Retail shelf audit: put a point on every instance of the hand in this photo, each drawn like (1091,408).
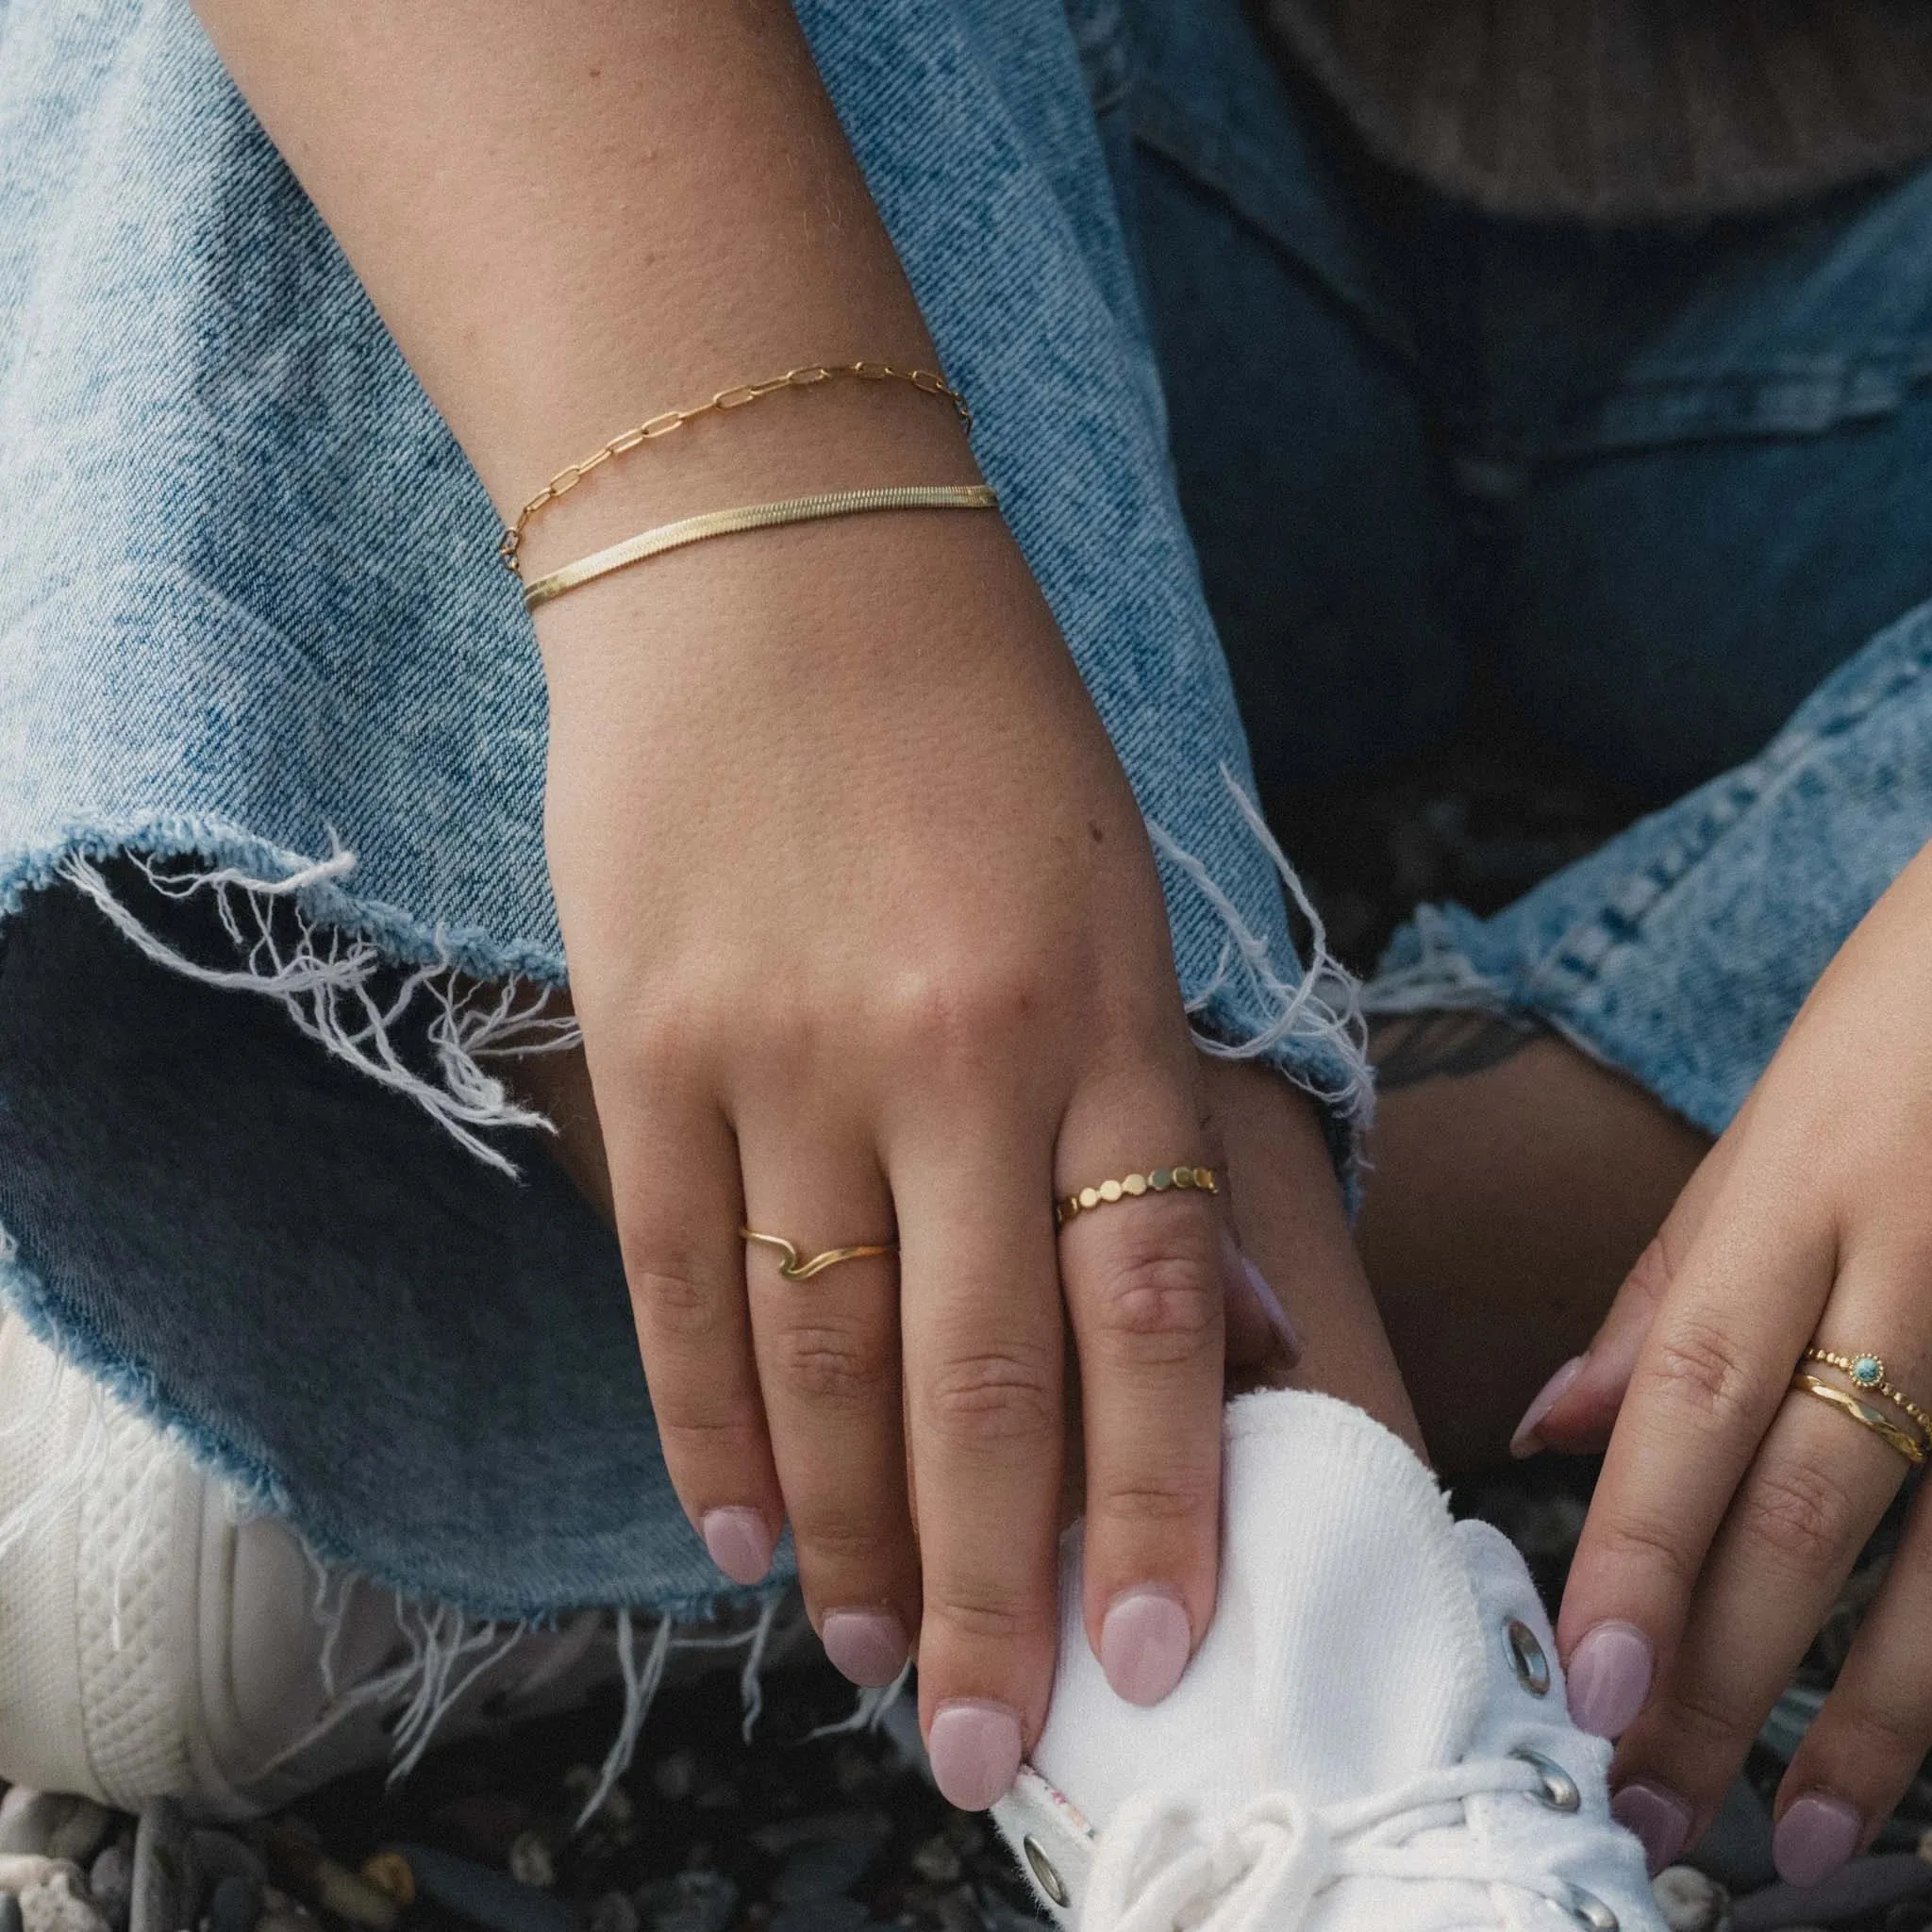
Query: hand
(1730,1508)
(866,942)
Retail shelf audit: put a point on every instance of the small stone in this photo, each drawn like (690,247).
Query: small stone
(390,1872)
(691,1901)
(937,1862)
(9,1913)
(1736,1850)
(222,1855)
(60,1903)
(782,1834)
(676,1777)
(235,1904)
(1688,1901)
(79,1835)
(110,1878)
(1864,1887)
(821,1915)
(531,1862)
(286,1919)
(28,1819)
(19,1870)
(165,1872)
(614,1912)
(297,1863)
(487,1898)
(823,1869)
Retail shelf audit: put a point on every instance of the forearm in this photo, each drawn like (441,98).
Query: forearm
(575,216)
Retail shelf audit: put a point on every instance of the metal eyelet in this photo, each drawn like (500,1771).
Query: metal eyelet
(1559,1792)
(1526,1657)
(1589,1913)
(1050,1880)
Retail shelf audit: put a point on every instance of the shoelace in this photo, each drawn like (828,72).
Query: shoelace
(1159,1867)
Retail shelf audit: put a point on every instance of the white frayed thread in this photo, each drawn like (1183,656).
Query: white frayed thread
(869,1709)
(750,1683)
(1323,1007)
(327,980)
(641,1682)
(1445,977)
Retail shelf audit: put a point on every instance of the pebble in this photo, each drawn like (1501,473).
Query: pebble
(491,1899)
(821,1915)
(691,1901)
(60,1903)
(532,1862)
(1737,1848)
(1688,1901)
(297,1862)
(938,1861)
(675,1777)
(235,1904)
(79,1835)
(822,1868)
(19,1870)
(389,1872)
(614,1912)
(110,1878)
(165,1872)
(780,1837)
(9,1913)
(28,1819)
(1863,1887)
(219,1854)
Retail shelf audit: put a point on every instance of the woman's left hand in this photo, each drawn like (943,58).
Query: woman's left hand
(1732,1505)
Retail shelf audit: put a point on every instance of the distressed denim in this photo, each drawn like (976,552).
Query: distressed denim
(256,653)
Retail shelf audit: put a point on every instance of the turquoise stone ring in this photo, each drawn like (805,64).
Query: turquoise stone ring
(1867,1374)
(1867,1370)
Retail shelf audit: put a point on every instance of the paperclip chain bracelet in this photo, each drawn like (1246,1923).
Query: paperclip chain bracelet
(928,381)
(757,516)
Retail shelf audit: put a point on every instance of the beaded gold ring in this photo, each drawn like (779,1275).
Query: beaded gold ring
(1160,1180)
(1867,1374)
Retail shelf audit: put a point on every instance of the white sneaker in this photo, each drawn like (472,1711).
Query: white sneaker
(152,1645)
(1372,1739)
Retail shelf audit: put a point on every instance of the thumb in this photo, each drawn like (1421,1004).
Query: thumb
(1576,1408)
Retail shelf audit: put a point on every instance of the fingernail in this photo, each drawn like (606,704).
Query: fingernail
(1526,1441)
(974,1749)
(868,1646)
(740,1543)
(1814,1837)
(1144,1642)
(1660,1820)
(1608,1678)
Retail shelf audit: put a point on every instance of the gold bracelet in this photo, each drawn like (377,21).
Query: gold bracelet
(1867,1373)
(929,380)
(757,516)
(1130,1187)
(1907,1445)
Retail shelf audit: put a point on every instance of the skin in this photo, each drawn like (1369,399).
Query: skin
(1730,1509)
(863,929)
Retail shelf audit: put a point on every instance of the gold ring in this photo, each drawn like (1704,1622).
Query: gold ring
(1130,1185)
(1867,1375)
(1907,1444)
(795,1269)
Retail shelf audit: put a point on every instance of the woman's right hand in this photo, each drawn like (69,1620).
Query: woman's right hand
(867,943)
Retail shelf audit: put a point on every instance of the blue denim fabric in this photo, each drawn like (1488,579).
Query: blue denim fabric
(250,613)
(1661,491)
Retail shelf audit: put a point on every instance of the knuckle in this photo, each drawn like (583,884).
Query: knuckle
(681,1301)
(832,1365)
(987,1614)
(1705,1727)
(993,1397)
(1158,1505)
(1801,1513)
(1162,1302)
(1632,1542)
(848,1544)
(1875,1737)
(952,1013)
(1701,1368)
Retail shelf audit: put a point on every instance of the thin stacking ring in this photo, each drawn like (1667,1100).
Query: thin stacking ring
(1907,1444)
(1867,1375)
(795,1268)
(1130,1187)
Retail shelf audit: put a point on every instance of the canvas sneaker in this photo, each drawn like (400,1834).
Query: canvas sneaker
(1372,1738)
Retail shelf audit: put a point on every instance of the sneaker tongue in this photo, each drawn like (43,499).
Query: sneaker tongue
(1346,1653)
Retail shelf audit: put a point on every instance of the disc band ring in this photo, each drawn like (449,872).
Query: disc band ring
(1908,1445)
(795,1268)
(1867,1373)
(1131,1186)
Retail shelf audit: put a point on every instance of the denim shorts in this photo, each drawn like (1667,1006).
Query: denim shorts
(272,885)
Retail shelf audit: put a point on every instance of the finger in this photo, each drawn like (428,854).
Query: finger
(1576,1408)
(674,1176)
(1711,1374)
(1803,1510)
(1143,1279)
(981,1326)
(1865,1746)
(827,1353)
(1263,1344)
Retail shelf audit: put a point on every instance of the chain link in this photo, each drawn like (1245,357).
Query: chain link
(928,381)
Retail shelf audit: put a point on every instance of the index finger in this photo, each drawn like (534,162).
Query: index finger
(1709,1380)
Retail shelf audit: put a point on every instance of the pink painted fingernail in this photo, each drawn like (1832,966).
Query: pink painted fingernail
(1814,1837)
(1144,1643)
(975,1750)
(1659,1817)
(1526,1441)
(1608,1678)
(868,1646)
(740,1543)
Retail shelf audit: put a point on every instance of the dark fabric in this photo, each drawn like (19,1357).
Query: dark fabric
(1624,110)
